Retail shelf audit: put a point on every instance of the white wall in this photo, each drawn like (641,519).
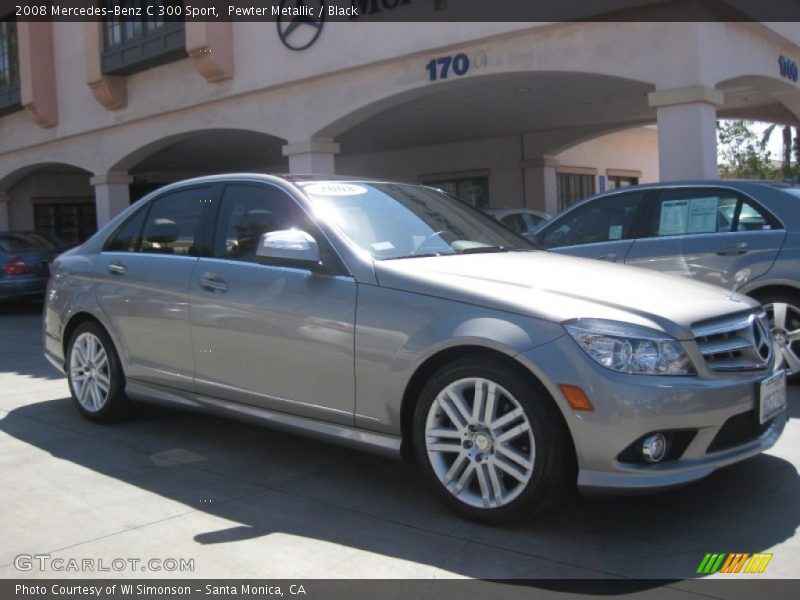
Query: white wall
(631,149)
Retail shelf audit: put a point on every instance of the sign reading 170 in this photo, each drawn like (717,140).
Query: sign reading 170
(440,68)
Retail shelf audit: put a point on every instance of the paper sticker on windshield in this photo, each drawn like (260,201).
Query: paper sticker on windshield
(381,246)
(334,188)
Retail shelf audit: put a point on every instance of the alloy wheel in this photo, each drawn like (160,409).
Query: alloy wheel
(89,372)
(480,443)
(785,322)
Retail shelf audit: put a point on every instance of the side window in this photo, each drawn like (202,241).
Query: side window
(752,218)
(529,222)
(602,220)
(249,211)
(173,223)
(128,236)
(514,222)
(693,211)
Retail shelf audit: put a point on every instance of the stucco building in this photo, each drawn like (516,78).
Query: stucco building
(94,115)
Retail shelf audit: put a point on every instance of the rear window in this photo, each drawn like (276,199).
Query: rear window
(22,242)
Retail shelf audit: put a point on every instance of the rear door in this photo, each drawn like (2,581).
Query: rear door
(603,228)
(712,234)
(142,285)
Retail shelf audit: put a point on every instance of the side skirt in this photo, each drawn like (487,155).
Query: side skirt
(377,443)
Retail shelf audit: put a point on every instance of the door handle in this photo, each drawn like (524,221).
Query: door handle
(117,268)
(608,258)
(213,283)
(733,249)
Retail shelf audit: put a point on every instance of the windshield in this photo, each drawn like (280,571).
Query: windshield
(390,220)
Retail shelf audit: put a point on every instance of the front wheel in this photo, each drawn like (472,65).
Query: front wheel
(783,312)
(494,448)
(95,375)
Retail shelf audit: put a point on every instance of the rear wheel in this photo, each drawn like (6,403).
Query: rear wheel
(491,445)
(95,375)
(783,311)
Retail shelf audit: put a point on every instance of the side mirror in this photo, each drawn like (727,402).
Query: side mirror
(289,245)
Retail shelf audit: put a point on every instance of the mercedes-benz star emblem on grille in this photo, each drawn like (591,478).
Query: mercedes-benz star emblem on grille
(761,338)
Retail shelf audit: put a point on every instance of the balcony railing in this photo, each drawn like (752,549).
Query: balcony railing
(9,68)
(138,43)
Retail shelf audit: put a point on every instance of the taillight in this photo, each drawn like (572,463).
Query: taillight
(17,266)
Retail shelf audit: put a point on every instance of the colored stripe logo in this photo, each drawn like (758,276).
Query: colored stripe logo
(734,562)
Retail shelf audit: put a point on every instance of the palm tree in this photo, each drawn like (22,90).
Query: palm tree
(786,131)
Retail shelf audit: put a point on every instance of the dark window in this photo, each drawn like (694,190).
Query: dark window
(74,222)
(173,223)
(247,212)
(616,182)
(601,220)
(692,211)
(9,68)
(11,243)
(753,218)
(572,187)
(129,235)
(515,223)
(473,190)
(139,42)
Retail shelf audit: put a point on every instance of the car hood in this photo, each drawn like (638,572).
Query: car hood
(556,288)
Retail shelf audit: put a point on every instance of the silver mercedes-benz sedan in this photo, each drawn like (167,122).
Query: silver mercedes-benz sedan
(396,319)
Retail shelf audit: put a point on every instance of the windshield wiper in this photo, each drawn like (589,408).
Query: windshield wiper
(428,255)
(484,249)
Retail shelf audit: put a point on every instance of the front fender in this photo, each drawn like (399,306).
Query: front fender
(397,332)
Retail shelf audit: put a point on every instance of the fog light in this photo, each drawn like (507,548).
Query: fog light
(654,447)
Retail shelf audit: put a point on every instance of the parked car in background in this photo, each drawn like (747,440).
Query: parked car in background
(523,221)
(398,319)
(742,235)
(25,257)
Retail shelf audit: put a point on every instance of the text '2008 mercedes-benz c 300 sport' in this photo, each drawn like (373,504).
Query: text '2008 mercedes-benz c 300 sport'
(397,319)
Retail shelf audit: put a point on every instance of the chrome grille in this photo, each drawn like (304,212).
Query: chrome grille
(739,343)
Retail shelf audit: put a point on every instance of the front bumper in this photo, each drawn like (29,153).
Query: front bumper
(628,407)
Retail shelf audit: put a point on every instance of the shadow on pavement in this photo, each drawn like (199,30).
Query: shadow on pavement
(310,489)
(21,340)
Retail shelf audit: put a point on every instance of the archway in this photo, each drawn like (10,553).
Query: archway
(55,198)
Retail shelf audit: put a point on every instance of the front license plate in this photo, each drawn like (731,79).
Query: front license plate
(772,397)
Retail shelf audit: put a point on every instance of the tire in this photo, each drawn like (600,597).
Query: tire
(95,376)
(787,305)
(466,447)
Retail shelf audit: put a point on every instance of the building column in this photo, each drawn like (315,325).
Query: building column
(687,132)
(112,195)
(37,72)
(312,157)
(5,222)
(540,183)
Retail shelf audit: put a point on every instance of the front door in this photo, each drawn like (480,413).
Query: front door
(601,228)
(271,335)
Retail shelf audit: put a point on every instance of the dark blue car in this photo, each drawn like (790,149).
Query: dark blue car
(25,257)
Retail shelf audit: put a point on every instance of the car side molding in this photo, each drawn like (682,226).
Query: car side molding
(381,444)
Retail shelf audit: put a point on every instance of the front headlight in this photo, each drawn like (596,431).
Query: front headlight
(630,348)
